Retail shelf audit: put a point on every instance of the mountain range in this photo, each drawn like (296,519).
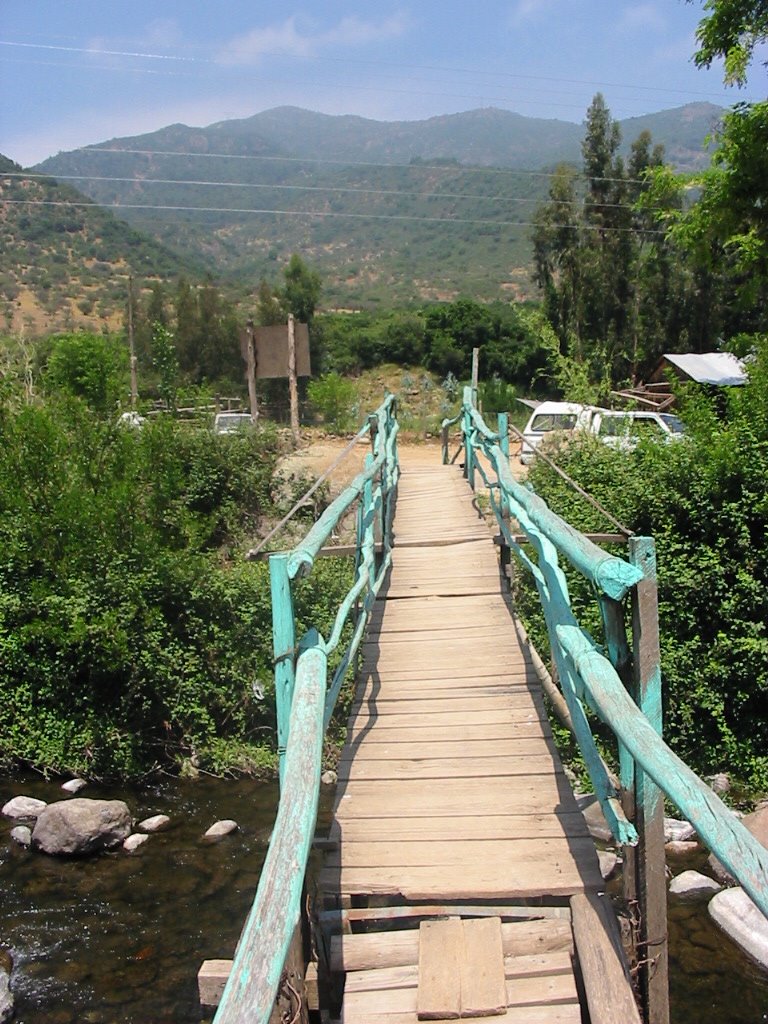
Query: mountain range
(388,212)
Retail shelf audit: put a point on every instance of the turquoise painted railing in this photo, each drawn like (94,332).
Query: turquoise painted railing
(305,700)
(595,677)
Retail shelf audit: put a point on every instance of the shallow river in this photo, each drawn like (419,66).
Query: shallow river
(118,939)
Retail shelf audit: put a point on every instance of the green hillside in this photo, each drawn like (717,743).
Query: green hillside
(387,212)
(66,261)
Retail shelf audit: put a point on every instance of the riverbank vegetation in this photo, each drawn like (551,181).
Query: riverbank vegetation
(132,634)
(703,500)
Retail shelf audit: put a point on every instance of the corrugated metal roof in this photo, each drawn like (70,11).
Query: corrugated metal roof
(721,368)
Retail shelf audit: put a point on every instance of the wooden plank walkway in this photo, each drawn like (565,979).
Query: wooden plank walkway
(450,788)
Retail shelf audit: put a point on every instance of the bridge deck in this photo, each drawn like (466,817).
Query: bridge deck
(450,788)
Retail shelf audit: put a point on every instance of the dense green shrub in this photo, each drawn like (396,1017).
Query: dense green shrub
(704,501)
(335,399)
(128,639)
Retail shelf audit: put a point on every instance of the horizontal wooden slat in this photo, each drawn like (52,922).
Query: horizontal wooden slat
(373,950)
(441,768)
(521,993)
(532,966)
(447,748)
(524,826)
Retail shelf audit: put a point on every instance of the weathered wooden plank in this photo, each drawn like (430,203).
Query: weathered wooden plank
(426,673)
(469,653)
(434,870)
(523,993)
(434,689)
(436,720)
(606,981)
(561,1014)
(373,950)
(479,727)
(521,826)
(468,632)
(440,768)
(518,703)
(497,855)
(560,878)
(441,951)
(533,966)
(367,749)
(483,986)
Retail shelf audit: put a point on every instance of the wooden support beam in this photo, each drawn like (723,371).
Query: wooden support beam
(607,985)
(649,800)
(213,975)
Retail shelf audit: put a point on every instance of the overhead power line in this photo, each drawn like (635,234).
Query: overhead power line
(462,168)
(314,214)
(303,188)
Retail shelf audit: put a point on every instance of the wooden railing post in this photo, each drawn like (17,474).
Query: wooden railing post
(284,647)
(649,857)
(467,428)
(502,425)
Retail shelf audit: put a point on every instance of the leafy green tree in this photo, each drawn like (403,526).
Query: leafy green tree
(166,362)
(725,232)
(185,308)
(91,366)
(732,30)
(269,308)
(302,289)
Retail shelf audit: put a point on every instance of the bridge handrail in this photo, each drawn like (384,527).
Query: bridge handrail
(305,702)
(586,674)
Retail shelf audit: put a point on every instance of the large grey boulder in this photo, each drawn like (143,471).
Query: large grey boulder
(80,826)
(678,831)
(692,885)
(26,807)
(757,824)
(735,914)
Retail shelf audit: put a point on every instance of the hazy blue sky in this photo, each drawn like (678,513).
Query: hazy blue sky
(74,72)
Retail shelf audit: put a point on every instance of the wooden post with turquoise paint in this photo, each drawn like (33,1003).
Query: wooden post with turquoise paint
(502,425)
(284,647)
(467,427)
(650,877)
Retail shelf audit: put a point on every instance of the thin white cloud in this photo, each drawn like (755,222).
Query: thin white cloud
(527,10)
(299,40)
(642,17)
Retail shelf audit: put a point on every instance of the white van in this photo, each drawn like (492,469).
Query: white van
(623,430)
(232,422)
(546,419)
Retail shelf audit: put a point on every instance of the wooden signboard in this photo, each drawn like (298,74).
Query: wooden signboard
(272,351)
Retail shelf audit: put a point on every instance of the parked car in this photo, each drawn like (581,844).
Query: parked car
(623,430)
(131,419)
(232,422)
(545,420)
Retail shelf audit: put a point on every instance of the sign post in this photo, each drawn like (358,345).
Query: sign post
(293,390)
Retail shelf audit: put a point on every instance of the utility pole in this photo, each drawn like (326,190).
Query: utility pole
(293,390)
(131,346)
(250,358)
